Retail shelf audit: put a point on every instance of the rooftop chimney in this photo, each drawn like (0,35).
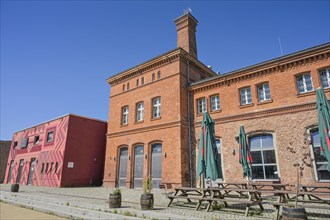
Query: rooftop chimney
(186,28)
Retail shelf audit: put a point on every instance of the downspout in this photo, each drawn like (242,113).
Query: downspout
(189,124)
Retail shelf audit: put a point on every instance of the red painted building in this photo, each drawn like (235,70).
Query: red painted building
(66,151)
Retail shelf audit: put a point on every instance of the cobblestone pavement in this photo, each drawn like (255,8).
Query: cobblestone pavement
(96,198)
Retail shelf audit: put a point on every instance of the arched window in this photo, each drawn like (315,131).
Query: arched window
(320,162)
(138,165)
(158,75)
(153,77)
(263,156)
(156,164)
(122,169)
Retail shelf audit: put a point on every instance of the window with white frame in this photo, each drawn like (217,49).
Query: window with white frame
(215,103)
(124,117)
(218,143)
(264,165)
(201,105)
(304,83)
(325,78)
(263,92)
(246,97)
(320,162)
(139,111)
(156,107)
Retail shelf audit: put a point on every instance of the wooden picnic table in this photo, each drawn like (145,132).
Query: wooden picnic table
(187,193)
(315,189)
(275,186)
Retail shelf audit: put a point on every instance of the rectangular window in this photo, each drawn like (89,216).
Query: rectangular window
(201,106)
(139,111)
(264,165)
(50,136)
(245,95)
(142,81)
(137,82)
(156,107)
(215,103)
(51,167)
(36,140)
(127,86)
(263,92)
(124,117)
(325,78)
(15,144)
(304,83)
(56,167)
(153,77)
(47,164)
(42,167)
(24,142)
(320,161)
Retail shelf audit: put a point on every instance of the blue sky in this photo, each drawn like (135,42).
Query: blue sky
(57,55)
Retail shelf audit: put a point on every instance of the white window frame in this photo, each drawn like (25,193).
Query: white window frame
(139,111)
(215,103)
(325,77)
(201,105)
(263,164)
(312,146)
(50,138)
(304,81)
(262,94)
(246,93)
(125,114)
(156,107)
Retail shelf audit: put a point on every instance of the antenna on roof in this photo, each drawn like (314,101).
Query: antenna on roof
(279,42)
(187,11)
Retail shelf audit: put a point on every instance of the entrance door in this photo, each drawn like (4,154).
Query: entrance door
(138,166)
(122,173)
(33,161)
(156,164)
(19,173)
(10,171)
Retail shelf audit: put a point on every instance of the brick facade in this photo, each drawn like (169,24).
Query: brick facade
(287,116)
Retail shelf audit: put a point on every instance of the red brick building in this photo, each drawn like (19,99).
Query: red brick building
(156,108)
(66,151)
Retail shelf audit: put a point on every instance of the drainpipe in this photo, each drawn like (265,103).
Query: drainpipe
(189,124)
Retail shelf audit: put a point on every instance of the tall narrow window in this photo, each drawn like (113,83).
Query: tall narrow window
(325,78)
(36,140)
(153,77)
(201,105)
(320,162)
(123,87)
(246,96)
(137,82)
(139,111)
(127,86)
(124,119)
(304,83)
(215,103)
(142,81)
(263,157)
(42,167)
(263,92)
(56,167)
(218,143)
(158,75)
(156,107)
(15,144)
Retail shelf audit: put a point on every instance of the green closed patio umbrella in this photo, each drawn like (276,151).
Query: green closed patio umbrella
(208,157)
(245,158)
(323,115)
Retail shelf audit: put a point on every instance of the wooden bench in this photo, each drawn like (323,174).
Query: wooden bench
(225,200)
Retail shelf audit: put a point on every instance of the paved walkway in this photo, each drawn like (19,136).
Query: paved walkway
(11,212)
(92,203)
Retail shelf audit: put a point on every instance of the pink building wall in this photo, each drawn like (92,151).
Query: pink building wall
(50,166)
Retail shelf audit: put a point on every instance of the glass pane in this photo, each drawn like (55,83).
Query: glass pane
(318,156)
(269,156)
(255,142)
(257,172)
(156,164)
(138,166)
(315,138)
(267,141)
(322,172)
(218,143)
(256,157)
(271,172)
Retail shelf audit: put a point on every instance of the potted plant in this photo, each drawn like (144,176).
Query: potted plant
(301,158)
(115,198)
(147,198)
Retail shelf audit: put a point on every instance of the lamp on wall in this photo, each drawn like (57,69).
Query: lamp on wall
(146,156)
(233,151)
(165,155)
(129,157)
